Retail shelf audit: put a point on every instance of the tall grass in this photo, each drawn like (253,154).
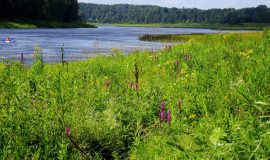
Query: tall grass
(214,92)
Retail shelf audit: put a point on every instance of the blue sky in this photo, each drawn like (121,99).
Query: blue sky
(203,4)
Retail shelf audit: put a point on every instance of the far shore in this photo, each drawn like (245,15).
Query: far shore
(30,24)
(191,25)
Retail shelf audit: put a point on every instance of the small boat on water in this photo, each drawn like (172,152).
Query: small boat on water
(8,40)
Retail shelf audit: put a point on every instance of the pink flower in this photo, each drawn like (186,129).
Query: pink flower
(177,63)
(130,84)
(162,115)
(162,105)
(67,132)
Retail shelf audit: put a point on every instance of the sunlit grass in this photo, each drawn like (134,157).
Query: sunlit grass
(89,109)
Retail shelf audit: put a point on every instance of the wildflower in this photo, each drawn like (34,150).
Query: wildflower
(177,63)
(67,132)
(169,116)
(162,106)
(155,126)
(192,116)
(162,115)
(130,84)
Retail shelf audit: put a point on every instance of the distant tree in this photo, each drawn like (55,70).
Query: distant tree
(153,14)
(60,10)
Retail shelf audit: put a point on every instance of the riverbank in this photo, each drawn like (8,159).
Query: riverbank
(194,25)
(43,24)
(183,38)
(203,100)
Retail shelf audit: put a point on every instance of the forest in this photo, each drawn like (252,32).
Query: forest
(57,10)
(124,13)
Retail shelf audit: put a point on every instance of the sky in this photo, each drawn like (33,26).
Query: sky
(202,4)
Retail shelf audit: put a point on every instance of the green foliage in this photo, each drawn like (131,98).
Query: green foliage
(134,14)
(57,10)
(222,81)
(42,24)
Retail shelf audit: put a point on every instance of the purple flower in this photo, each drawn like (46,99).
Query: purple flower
(155,126)
(67,132)
(177,63)
(169,116)
(162,115)
(162,105)
(130,84)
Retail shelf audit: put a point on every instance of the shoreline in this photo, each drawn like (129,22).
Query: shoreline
(33,24)
(254,27)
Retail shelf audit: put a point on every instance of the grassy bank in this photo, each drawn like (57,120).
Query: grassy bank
(195,25)
(43,24)
(206,99)
(183,38)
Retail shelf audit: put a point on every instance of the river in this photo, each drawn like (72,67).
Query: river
(81,43)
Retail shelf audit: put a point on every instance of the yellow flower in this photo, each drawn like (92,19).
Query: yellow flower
(192,116)
(246,53)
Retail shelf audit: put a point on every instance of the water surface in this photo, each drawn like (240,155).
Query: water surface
(82,42)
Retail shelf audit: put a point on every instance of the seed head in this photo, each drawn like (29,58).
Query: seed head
(137,86)
(22,59)
(179,103)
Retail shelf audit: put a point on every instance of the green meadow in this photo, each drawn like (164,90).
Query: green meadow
(207,98)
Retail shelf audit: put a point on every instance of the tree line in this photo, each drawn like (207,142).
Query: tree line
(58,10)
(124,13)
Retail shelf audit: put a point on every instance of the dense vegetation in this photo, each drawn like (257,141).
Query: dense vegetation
(57,10)
(253,26)
(43,24)
(206,99)
(124,13)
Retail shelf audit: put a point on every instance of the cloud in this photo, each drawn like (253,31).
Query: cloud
(203,4)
